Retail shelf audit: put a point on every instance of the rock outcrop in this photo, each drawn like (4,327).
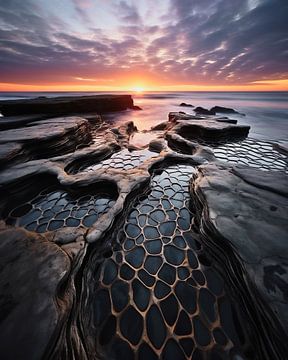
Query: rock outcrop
(43,139)
(202,111)
(223,110)
(186,105)
(242,214)
(210,129)
(67,105)
(111,251)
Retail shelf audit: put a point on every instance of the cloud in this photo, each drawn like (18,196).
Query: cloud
(82,8)
(199,41)
(128,13)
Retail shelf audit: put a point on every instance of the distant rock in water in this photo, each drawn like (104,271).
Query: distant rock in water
(223,110)
(135,107)
(187,105)
(203,111)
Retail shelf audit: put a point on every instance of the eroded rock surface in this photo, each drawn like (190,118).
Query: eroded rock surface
(245,210)
(213,129)
(33,309)
(111,251)
(44,139)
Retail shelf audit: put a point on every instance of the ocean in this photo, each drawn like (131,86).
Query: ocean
(265,112)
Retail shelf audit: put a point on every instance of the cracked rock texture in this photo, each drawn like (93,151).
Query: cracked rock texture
(117,244)
(246,211)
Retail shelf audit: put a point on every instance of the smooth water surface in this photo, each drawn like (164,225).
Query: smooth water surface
(266,112)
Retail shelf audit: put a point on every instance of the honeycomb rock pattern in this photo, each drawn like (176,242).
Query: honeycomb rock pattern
(254,153)
(158,296)
(123,160)
(53,208)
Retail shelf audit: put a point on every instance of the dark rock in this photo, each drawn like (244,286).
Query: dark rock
(135,107)
(243,213)
(223,110)
(161,126)
(174,116)
(203,111)
(206,129)
(67,105)
(13,122)
(157,145)
(44,139)
(187,105)
(32,270)
(281,147)
(228,121)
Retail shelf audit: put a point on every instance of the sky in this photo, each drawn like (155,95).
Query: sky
(107,45)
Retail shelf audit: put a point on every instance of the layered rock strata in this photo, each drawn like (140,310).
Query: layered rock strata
(167,251)
(67,105)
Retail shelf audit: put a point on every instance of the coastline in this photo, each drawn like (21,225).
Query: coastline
(182,230)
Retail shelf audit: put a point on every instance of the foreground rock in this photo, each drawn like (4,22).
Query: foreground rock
(32,270)
(243,221)
(43,139)
(67,105)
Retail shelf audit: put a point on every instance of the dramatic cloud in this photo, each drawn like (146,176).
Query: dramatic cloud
(169,42)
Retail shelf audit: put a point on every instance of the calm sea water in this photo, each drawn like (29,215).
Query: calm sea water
(266,112)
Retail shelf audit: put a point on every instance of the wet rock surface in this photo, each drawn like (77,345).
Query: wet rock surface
(249,217)
(166,244)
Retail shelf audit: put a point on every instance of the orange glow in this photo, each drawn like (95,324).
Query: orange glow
(148,85)
(138,89)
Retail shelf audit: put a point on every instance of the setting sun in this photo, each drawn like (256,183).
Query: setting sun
(138,89)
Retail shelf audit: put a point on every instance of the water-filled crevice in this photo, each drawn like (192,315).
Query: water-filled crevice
(45,205)
(250,152)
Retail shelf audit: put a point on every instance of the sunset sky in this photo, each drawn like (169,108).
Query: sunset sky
(111,45)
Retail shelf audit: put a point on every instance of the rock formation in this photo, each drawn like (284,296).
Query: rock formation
(66,105)
(203,111)
(223,110)
(186,105)
(175,250)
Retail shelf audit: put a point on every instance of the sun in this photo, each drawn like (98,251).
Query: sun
(138,89)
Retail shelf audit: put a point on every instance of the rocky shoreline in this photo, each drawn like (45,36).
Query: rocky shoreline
(173,250)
